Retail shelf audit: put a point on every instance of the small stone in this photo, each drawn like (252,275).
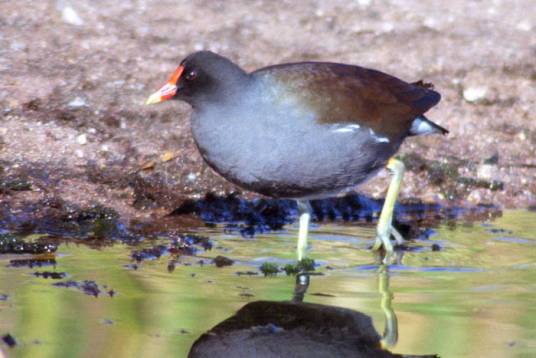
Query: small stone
(364,3)
(17,46)
(474,94)
(524,26)
(77,102)
(82,139)
(319,12)
(221,261)
(487,171)
(430,23)
(70,16)
(387,27)
(191,177)
(474,197)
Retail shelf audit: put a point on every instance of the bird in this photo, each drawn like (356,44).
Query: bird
(302,130)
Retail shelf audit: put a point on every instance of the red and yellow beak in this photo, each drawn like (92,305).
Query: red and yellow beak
(168,90)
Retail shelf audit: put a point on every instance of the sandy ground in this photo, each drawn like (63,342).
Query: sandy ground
(74,76)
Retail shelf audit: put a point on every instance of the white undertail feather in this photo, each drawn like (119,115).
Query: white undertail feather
(422,126)
(347,129)
(351,128)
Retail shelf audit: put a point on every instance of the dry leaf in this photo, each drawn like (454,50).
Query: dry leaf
(149,165)
(167,156)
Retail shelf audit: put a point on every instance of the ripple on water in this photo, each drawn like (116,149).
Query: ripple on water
(515,240)
(405,268)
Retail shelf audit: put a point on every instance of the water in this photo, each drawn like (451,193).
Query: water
(476,296)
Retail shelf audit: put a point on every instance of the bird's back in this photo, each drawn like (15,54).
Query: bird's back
(351,94)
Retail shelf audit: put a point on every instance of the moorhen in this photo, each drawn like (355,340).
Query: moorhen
(304,130)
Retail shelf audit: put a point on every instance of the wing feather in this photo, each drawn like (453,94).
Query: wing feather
(352,94)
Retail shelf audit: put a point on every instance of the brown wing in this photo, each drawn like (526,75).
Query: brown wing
(351,94)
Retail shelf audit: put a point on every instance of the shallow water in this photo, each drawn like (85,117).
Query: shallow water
(476,296)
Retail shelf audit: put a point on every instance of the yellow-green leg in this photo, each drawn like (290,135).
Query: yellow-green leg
(385,227)
(304,210)
(390,333)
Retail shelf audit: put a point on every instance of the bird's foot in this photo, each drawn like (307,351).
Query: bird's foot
(383,239)
(385,223)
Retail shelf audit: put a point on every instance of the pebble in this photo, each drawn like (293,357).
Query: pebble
(475,196)
(71,17)
(77,102)
(487,172)
(191,177)
(524,26)
(431,23)
(364,3)
(17,46)
(474,94)
(82,139)
(387,27)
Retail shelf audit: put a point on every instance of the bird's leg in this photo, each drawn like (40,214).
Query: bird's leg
(385,224)
(304,210)
(302,284)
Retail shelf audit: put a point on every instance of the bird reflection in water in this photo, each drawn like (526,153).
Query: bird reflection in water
(390,334)
(299,329)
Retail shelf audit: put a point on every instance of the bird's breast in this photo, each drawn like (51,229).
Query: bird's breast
(273,140)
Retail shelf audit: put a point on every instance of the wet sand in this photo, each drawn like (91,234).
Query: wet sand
(74,130)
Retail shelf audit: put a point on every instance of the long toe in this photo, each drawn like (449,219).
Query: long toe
(398,237)
(383,238)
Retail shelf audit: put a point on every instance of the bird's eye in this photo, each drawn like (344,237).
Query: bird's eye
(191,75)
